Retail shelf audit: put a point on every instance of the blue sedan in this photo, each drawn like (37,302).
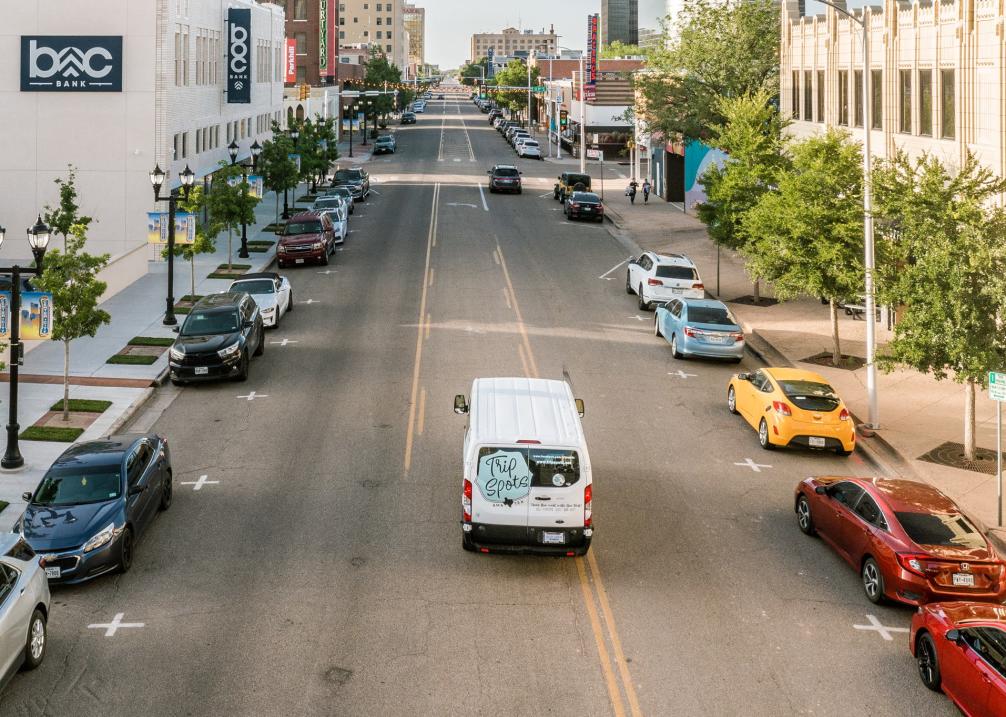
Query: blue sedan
(93,503)
(699,327)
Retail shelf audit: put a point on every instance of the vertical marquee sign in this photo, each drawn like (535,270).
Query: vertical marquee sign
(238,56)
(291,61)
(592,43)
(323,38)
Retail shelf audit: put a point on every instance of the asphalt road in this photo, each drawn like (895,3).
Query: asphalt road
(322,572)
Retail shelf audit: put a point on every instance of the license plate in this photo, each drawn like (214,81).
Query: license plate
(52,573)
(964,580)
(816,442)
(202,371)
(298,261)
(553,538)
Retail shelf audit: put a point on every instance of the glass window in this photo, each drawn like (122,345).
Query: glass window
(808,95)
(926,103)
(857,97)
(306,227)
(210,323)
(301,38)
(905,93)
(950,530)
(990,643)
(73,485)
(265,286)
(810,395)
(300,9)
(843,97)
(846,493)
(948,117)
(669,271)
(820,95)
(8,579)
(877,99)
(868,510)
(710,315)
(553,468)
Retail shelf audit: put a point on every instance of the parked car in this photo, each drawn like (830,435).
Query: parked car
(356,179)
(529,149)
(960,649)
(24,608)
(308,236)
(504,178)
(657,278)
(270,291)
(336,209)
(580,205)
(346,194)
(699,327)
(408,118)
(94,502)
(570,182)
(385,144)
(909,542)
(217,339)
(419,107)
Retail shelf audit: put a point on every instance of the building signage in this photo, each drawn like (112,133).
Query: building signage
(157,228)
(323,68)
(593,38)
(997,386)
(71,63)
(291,61)
(238,56)
(36,315)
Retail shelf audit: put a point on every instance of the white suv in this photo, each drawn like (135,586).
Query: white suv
(657,278)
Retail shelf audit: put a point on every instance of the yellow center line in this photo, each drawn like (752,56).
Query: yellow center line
(602,650)
(616,643)
(422,413)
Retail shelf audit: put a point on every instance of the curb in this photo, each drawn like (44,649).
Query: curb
(131,412)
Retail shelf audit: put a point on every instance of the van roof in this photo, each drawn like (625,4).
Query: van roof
(508,410)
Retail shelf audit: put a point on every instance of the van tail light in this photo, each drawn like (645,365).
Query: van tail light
(654,282)
(466,501)
(588,511)
(699,285)
(843,415)
(782,408)
(913,563)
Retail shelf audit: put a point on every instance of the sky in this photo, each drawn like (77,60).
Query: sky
(450,24)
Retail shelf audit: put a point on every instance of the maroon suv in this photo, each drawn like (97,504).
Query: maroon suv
(307,237)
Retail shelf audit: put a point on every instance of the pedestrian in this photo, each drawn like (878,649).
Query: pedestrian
(646,191)
(631,191)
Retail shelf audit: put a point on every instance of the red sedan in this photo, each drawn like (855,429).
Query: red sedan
(909,542)
(960,648)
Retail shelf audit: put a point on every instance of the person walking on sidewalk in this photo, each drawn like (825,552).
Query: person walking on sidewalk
(646,191)
(631,191)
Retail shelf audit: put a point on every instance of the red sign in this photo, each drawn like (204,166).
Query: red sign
(590,93)
(593,38)
(291,61)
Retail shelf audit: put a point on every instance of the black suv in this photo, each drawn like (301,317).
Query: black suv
(408,117)
(504,178)
(357,180)
(217,340)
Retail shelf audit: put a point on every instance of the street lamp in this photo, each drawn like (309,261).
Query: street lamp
(294,135)
(232,150)
(157,177)
(366,119)
(38,240)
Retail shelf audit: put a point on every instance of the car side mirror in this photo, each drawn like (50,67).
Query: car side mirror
(460,405)
(954,636)
(136,489)
(176,329)
(247,323)
(821,490)
(26,496)
(579,406)
(743,377)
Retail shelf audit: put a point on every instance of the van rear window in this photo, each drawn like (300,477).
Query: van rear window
(553,468)
(508,469)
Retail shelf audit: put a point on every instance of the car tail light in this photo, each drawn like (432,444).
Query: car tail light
(843,415)
(575,205)
(737,336)
(699,285)
(466,501)
(654,282)
(689,331)
(913,563)
(588,511)
(782,408)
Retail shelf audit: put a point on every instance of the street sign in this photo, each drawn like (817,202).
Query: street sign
(593,154)
(997,386)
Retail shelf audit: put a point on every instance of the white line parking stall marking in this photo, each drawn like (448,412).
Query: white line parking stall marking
(284,342)
(462,204)
(756,467)
(681,374)
(876,626)
(637,317)
(483,195)
(621,263)
(198,484)
(309,302)
(114,626)
(252,396)
(328,272)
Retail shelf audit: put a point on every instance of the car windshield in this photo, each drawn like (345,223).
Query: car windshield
(307,227)
(506,172)
(670,271)
(340,191)
(710,315)
(327,204)
(949,530)
(347,175)
(74,485)
(574,179)
(210,323)
(257,286)
(810,395)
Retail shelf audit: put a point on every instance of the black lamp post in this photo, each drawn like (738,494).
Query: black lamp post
(38,240)
(294,134)
(232,150)
(157,177)
(351,109)
(366,120)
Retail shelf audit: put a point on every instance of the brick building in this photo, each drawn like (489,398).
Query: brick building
(312,27)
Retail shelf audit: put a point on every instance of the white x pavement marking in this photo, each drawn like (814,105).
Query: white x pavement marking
(756,467)
(637,317)
(252,396)
(198,484)
(116,624)
(681,374)
(309,302)
(284,342)
(885,632)
(328,272)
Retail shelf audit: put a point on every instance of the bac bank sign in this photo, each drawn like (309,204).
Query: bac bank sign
(71,63)
(238,55)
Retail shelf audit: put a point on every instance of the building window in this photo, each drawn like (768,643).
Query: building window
(926,103)
(905,93)
(185,145)
(877,99)
(389,47)
(808,95)
(301,75)
(947,116)
(378,34)
(378,21)
(843,97)
(795,104)
(300,9)
(857,98)
(342,35)
(301,38)
(820,95)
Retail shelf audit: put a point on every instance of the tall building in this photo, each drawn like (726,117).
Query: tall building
(415,25)
(311,29)
(513,41)
(620,21)
(380,25)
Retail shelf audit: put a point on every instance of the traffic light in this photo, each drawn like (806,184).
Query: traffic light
(563,119)
(305,91)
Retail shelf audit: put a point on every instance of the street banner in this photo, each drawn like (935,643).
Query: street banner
(593,37)
(4,314)
(256,186)
(157,228)
(36,316)
(346,122)
(239,56)
(490,70)
(295,158)
(291,61)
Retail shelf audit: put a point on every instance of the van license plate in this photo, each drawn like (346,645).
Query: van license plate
(52,572)
(202,371)
(553,538)
(964,580)
(816,442)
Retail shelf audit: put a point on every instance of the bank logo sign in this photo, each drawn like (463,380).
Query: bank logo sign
(71,63)
(238,56)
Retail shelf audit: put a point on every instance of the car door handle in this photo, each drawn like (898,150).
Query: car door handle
(542,497)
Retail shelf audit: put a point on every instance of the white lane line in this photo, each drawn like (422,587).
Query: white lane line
(681,374)
(612,268)
(440,152)
(483,195)
(471,152)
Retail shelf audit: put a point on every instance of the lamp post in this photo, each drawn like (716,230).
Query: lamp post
(157,177)
(38,240)
(232,150)
(873,417)
(351,108)
(294,135)
(366,119)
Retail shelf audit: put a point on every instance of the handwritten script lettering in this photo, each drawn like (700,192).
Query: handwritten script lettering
(504,477)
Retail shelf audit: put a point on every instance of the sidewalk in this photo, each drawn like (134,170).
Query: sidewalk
(917,413)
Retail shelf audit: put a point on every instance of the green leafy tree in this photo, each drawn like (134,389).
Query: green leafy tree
(316,145)
(66,214)
(230,205)
(807,234)
(378,75)
(71,277)
(515,75)
(945,266)
(471,72)
(278,171)
(622,49)
(206,234)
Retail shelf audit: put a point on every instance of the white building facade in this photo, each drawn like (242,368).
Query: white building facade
(114,87)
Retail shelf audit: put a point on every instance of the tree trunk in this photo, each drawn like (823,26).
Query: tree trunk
(836,347)
(276,220)
(192,272)
(66,380)
(230,252)
(756,290)
(969,420)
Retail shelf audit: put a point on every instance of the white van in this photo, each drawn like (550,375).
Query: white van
(526,486)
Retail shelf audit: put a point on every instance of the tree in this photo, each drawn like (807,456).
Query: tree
(515,75)
(316,146)
(807,234)
(945,266)
(205,234)
(231,205)
(724,48)
(63,217)
(622,49)
(472,71)
(278,171)
(752,138)
(71,277)
(380,73)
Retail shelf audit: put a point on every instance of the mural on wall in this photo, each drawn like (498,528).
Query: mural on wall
(698,158)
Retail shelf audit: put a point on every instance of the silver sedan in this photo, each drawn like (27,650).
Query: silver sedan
(24,607)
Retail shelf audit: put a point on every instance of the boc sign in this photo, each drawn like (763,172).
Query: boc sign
(238,56)
(71,63)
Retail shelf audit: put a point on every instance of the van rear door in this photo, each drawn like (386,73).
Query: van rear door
(557,485)
(500,494)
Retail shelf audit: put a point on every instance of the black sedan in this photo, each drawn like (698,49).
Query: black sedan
(94,502)
(584,205)
(408,118)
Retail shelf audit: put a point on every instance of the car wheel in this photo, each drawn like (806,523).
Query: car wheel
(289,306)
(803,516)
(466,543)
(873,581)
(243,374)
(763,438)
(643,304)
(928,662)
(842,452)
(674,347)
(176,382)
(732,400)
(126,550)
(656,326)
(628,283)
(324,259)
(36,642)
(166,493)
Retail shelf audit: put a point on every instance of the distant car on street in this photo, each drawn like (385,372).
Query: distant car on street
(271,292)
(356,179)
(504,178)
(529,149)
(583,205)
(94,502)
(570,182)
(345,193)
(408,118)
(217,339)
(656,278)
(699,327)
(306,237)
(24,608)
(336,209)
(385,144)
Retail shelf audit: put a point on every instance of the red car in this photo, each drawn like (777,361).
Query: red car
(960,648)
(307,237)
(909,542)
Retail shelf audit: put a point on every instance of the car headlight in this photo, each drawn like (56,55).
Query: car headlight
(282,249)
(318,245)
(268,309)
(104,536)
(230,351)
(176,355)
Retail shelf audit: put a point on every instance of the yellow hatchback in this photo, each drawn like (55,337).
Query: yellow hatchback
(792,407)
